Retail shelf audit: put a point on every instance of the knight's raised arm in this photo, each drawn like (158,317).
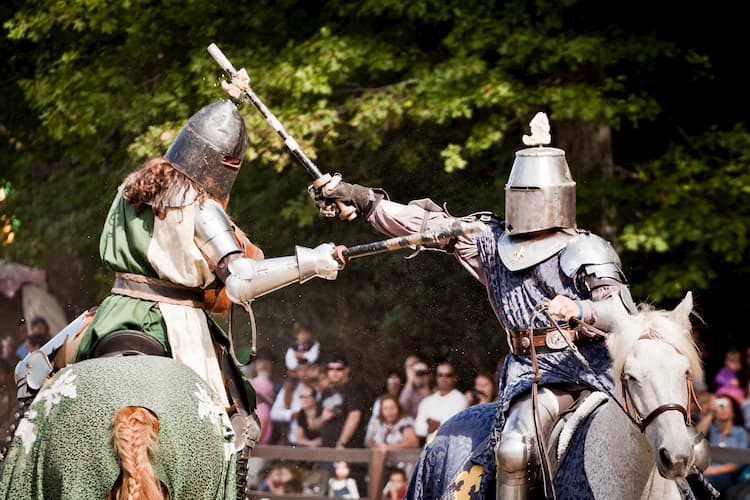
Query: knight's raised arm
(397,219)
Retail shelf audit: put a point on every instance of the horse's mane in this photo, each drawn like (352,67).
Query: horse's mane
(655,324)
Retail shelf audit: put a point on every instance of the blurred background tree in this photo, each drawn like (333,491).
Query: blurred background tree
(426,98)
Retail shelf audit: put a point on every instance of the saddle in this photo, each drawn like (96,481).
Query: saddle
(568,422)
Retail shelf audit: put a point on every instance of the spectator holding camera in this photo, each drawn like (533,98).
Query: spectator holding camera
(722,424)
(417,386)
(484,390)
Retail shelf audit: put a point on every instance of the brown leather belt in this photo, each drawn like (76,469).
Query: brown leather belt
(544,339)
(157,290)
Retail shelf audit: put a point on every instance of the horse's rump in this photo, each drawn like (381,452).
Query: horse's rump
(63,447)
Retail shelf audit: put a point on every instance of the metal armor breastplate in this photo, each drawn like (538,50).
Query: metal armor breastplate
(521,252)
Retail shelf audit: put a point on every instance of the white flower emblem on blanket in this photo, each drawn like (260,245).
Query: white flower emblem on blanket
(64,386)
(27,431)
(207,408)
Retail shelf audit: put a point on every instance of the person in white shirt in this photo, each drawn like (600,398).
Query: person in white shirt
(304,347)
(441,405)
(287,403)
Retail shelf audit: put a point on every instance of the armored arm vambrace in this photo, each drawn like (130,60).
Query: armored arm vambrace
(609,299)
(245,278)
(248,279)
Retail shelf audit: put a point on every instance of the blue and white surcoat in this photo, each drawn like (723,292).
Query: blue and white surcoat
(515,296)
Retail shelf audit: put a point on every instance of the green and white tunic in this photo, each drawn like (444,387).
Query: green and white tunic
(165,249)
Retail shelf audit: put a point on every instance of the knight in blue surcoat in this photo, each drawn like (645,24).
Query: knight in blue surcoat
(540,271)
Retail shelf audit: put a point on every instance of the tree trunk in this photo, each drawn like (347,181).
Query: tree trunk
(588,148)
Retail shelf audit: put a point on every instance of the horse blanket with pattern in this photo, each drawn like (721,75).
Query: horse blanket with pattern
(63,449)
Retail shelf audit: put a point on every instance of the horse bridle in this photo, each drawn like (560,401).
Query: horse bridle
(631,411)
(642,422)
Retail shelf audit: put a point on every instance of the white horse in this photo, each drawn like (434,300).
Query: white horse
(641,445)
(636,442)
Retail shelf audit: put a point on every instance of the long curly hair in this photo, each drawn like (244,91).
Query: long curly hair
(157,183)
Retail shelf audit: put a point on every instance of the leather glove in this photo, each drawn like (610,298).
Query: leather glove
(363,199)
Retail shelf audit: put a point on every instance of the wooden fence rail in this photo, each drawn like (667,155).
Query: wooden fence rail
(376,461)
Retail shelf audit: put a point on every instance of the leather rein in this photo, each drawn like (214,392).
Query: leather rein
(627,405)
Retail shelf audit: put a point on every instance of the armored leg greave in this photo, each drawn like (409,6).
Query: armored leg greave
(516,453)
(701,450)
(247,430)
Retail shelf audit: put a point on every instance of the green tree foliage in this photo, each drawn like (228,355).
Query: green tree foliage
(426,98)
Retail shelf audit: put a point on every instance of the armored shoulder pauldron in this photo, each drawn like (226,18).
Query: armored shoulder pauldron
(522,252)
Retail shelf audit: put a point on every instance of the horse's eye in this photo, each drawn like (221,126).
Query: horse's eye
(630,377)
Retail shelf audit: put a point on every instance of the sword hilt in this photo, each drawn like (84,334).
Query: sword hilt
(346,212)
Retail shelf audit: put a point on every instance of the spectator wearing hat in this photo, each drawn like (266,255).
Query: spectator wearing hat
(723,425)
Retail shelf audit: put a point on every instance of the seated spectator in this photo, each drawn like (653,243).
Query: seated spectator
(341,485)
(484,391)
(305,434)
(723,426)
(392,428)
(343,406)
(438,407)
(395,488)
(39,335)
(283,478)
(394,382)
(304,347)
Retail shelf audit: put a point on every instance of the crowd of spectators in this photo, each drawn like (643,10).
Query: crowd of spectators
(318,401)
(328,408)
(724,419)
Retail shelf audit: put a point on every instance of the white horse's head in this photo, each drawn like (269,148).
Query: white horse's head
(655,360)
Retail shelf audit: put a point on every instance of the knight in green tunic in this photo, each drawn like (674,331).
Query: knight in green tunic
(168,239)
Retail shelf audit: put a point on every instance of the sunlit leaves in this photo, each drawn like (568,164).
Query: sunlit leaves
(384,91)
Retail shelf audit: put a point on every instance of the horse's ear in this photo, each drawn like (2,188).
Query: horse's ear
(683,309)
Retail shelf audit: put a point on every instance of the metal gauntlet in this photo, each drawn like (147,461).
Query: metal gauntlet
(250,278)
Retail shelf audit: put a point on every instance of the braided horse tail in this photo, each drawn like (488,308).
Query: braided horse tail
(134,433)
